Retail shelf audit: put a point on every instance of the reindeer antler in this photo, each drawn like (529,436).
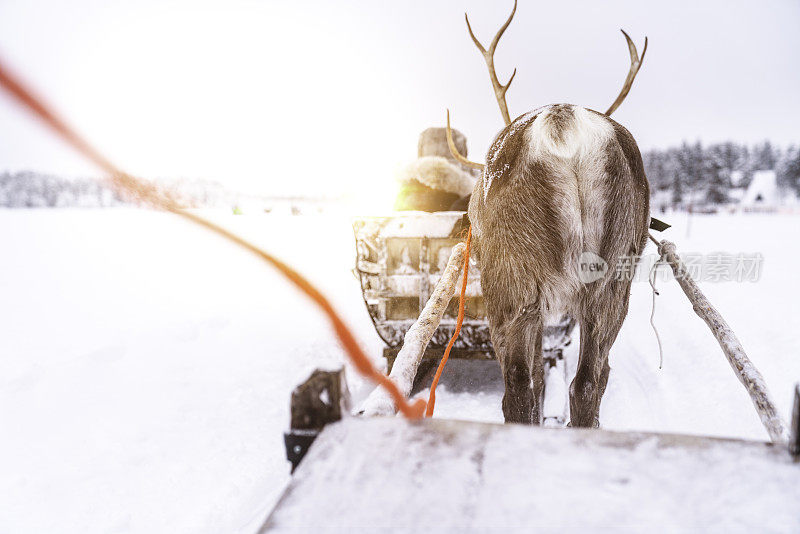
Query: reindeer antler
(500,89)
(636,64)
(488,56)
(454,151)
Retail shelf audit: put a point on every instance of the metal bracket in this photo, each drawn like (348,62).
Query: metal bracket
(322,399)
(297,444)
(658,226)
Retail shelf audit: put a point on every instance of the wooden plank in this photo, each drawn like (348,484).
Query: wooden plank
(742,366)
(455,476)
(416,340)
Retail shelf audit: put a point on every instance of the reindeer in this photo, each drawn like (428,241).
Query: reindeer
(561,183)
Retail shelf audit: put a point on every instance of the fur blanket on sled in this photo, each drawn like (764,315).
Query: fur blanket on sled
(434,183)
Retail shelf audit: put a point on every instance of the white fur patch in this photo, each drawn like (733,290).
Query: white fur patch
(587,131)
(439,173)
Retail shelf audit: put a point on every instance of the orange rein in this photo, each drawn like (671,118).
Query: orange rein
(459,321)
(123,182)
(142,191)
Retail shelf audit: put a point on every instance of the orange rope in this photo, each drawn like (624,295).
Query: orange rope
(459,321)
(126,183)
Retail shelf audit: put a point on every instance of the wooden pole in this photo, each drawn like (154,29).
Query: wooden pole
(417,338)
(745,371)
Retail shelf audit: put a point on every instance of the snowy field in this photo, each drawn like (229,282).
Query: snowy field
(146,367)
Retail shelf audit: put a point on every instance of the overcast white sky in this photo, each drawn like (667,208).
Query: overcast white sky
(322,97)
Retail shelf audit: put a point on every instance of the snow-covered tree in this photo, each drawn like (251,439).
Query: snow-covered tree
(788,169)
(764,157)
(677,191)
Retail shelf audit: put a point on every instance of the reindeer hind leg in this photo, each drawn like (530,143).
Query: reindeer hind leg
(603,311)
(519,349)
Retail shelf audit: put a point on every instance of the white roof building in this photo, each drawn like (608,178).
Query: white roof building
(762,192)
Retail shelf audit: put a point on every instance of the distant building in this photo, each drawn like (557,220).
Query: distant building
(762,191)
(765,195)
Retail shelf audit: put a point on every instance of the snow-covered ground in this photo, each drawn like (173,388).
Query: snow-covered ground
(145,366)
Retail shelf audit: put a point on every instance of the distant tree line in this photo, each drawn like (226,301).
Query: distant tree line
(709,170)
(688,173)
(28,189)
